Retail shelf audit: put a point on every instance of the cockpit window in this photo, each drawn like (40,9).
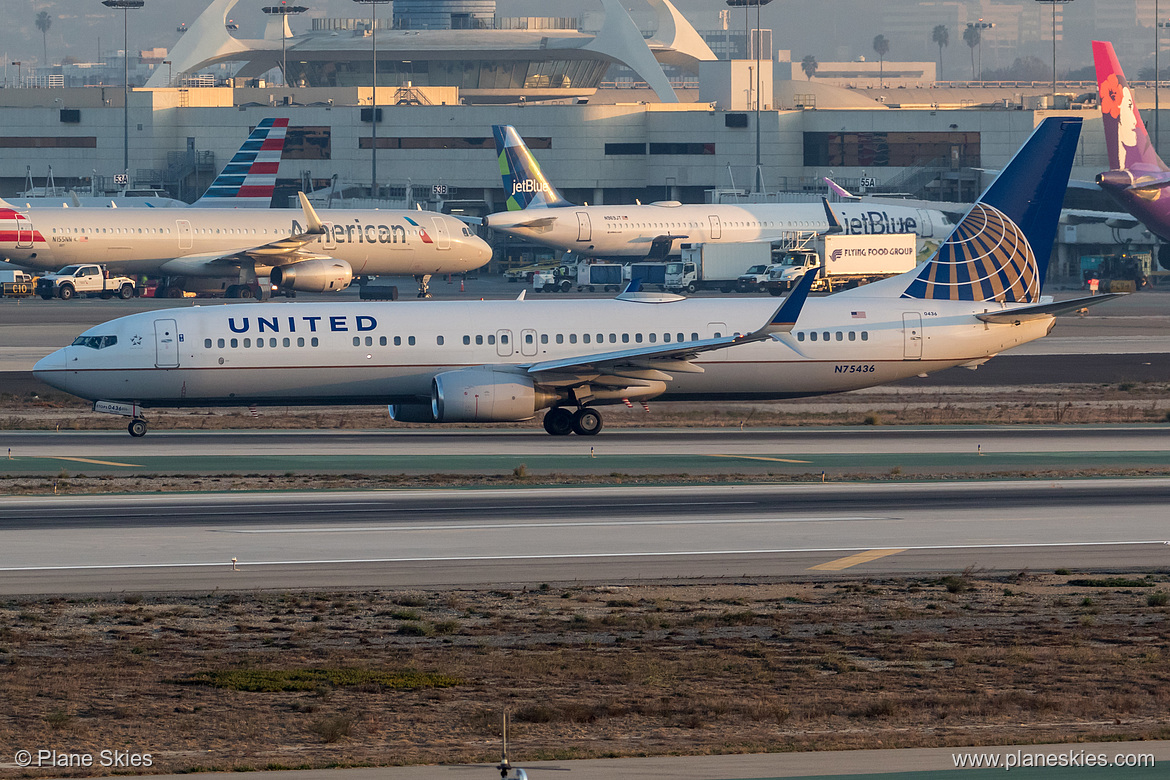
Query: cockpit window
(95,342)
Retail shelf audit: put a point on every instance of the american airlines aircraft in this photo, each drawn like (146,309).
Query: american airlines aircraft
(298,250)
(495,361)
(537,212)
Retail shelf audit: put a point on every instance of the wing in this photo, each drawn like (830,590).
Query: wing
(644,366)
(1036,311)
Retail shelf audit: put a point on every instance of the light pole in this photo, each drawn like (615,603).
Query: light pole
(1158,27)
(373,4)
(284,10)
(17,63)
(756,46)
(1054,3)
(169,77)
(981,26)
(125,5)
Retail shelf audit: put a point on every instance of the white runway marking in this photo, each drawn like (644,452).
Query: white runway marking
(543,524)
(566,556)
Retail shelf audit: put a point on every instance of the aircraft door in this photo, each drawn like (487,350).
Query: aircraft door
(925,227)
(716,228)
(183,228)
(166,344)
(912,336)
(528,342)
(584,229)
(504,343)
(23,232)
(442,236)
(328,241)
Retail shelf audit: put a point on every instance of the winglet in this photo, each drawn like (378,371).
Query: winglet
(784,320)
(633,286)
(313,224)
(835,225)
(838,190)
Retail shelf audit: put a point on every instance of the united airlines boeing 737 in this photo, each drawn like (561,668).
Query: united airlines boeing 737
(537,212)
(491,361)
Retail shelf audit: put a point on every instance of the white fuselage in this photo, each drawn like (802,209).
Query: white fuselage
(389,353)
(629,231)
(191,242)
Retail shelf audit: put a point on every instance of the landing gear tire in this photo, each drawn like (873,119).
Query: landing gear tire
(174,292)
(245,291)
(587,422)
(558,421)
(137,428)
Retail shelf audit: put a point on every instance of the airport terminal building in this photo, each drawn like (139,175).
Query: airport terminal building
(599,145)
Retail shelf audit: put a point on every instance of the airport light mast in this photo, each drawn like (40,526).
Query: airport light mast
(373,4)
(125,5)
(1054,3)
(755,45)
(284,10)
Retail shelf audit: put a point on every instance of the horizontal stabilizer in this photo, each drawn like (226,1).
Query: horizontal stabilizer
(1040,310)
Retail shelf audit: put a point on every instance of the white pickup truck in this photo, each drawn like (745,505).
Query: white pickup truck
(87,280)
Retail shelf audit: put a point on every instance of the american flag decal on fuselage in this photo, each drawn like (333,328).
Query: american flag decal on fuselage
(986,258)
(249,179)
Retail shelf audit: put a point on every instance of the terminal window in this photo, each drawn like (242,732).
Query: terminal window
(897,150)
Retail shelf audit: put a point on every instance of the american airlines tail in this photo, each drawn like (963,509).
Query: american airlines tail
(249,178)
(1000,250)
(524,181)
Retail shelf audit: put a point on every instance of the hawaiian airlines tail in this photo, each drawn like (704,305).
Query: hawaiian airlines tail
(249,179)
(1000,250)
(524,181)
(1125,134)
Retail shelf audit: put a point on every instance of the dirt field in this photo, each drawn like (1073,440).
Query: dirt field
(255,680)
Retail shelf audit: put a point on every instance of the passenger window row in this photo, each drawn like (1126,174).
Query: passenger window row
(588,338)
(832,335)
(272,343)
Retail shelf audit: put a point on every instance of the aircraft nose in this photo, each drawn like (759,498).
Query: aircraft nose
(483,251)
(51,370)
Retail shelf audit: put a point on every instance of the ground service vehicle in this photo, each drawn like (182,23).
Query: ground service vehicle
(525,272)
(85,280)
(584,276)
(845,261)
(714,266)
(17,284)
(753,279)
(650,274)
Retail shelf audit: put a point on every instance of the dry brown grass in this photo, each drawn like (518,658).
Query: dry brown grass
(586,671)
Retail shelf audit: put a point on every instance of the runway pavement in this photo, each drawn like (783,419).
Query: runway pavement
(837,451)
(435,539)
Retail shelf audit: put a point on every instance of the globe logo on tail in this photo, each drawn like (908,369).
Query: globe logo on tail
(986,258)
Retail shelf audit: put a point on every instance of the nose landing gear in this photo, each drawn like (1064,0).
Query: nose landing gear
(137,427)
(424,285)
(559,421)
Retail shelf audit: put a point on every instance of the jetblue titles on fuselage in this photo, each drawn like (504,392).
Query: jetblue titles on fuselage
(337,324)
(876,223)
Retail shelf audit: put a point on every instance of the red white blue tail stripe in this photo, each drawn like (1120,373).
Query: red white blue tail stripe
(249,179)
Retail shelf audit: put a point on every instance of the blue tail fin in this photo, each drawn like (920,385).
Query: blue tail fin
(249,178)
(1000,250)
(525,183)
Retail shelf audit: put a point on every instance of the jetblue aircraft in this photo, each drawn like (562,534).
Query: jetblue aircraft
(239,238)
(1137,178)
(502,361)
(537,212)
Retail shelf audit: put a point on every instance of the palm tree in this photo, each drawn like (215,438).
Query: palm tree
(44,22)
(809,65)
(971,37)
(942,37)
(882,46)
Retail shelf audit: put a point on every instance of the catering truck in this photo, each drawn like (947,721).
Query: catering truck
(714,266)
(844,260)
(584,276)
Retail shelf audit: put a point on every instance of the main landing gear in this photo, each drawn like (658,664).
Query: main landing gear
(424,285)
(560,421)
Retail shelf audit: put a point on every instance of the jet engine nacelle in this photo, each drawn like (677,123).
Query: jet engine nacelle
(412,413)
(486,394)
(313,276)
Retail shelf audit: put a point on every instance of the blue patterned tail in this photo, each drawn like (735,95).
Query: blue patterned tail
(524,181)
(248,181)
(1000,250)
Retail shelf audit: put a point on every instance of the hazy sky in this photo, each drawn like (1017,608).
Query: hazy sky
(827,29)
